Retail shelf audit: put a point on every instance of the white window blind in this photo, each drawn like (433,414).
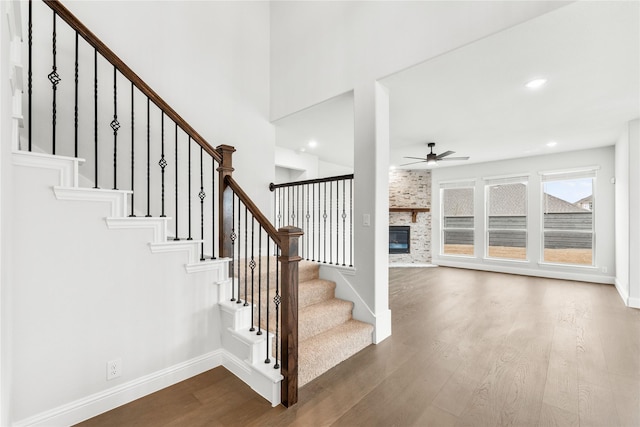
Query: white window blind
(569,174)
(511,179)
(457,184)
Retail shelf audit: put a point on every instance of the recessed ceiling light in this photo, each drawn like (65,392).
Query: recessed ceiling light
(313,143)
(302,149)
(392,167)
(551,144)
(536,83)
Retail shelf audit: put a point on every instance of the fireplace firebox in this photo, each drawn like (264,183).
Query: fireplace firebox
(399,239)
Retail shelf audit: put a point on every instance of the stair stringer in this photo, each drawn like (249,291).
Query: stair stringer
(68,188)
(245,351)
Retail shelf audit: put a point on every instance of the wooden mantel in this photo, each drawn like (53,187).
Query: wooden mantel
(414,211)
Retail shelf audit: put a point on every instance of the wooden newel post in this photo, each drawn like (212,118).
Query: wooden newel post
(289,260)
(225,201)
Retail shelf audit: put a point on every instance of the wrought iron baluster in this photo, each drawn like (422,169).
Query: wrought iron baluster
(330,223)
(148,161)
(239,249)
(75,103)
(189,188)
(30,71)
(201,195)
(259,279)
(176,238)
(307,237)
(252,265)
(115,125)
(54,78)
(324,234)
(337,223)
(267,360)
(351,223)
(233,243)
(246,254)
(213,208)
(163,164)
(276,301)
(95,114)
(132,153)
(344,218)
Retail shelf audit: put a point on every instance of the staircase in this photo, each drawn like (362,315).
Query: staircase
(328,334)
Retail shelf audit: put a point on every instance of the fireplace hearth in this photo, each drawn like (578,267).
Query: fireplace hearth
(399,239)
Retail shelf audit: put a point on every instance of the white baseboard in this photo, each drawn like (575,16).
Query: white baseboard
(634,302)
(622,292)
(98,403)
(406,264)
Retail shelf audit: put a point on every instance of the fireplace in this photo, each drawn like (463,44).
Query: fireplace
(399,239)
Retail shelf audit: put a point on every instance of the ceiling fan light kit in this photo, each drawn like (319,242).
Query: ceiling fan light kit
(433,158)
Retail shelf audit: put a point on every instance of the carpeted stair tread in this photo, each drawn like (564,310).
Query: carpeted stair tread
(314,291)
(318,318)
(322,352)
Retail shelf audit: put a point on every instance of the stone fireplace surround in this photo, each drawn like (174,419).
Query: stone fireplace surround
(411,189)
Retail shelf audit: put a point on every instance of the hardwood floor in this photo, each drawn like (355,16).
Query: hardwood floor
(468,348)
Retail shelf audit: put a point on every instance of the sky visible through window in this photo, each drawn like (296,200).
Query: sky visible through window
(570,190)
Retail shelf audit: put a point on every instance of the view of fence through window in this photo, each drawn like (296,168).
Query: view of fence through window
(507,218)
(568,218)
(458,218)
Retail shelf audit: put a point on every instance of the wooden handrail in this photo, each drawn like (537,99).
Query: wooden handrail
(110,56)
(255,211)
(273,186)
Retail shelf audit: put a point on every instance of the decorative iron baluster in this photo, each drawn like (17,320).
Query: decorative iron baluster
(351,223)
(267,360)
(246,254)
(260,280)
(115,125)
(277,209)
(148,161)
(330,223)
(95,114)
(75,97)
(337,223)
(313,223)
(54,78)
(30,71)
(213,208)
(163,164)
(307,237)
(239,249)
(252,266)
(344,217)
(324,216)
(276,301)
(189,189)
(201,195)
(292,206)
(232,237)
(176,238)
(132,155)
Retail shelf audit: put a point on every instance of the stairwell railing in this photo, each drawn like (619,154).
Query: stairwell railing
(323,209)
(167,166)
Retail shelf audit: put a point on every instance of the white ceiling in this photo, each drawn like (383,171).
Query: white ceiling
(473,100)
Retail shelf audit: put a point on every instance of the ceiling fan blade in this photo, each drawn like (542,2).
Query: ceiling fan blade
(417,158)
(455,158)
(446,153)
(413,163)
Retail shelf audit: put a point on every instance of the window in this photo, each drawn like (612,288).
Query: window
(568,209)
(506,217)
(456,201)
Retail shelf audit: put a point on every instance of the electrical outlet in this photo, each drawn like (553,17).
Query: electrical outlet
(114,369)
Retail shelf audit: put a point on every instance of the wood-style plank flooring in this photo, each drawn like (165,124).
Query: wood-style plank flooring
(468,348)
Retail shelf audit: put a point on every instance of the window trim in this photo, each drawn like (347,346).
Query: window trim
(567,175)
(505,180)
(450,185)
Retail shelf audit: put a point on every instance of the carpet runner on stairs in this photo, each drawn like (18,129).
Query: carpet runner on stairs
(327,332)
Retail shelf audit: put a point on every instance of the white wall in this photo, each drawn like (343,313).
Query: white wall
(532,166)
(634,213)
(209,61)
(622,164)
(82,294)
(323,49)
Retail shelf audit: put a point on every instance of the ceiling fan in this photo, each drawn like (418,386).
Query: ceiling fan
(432,158)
